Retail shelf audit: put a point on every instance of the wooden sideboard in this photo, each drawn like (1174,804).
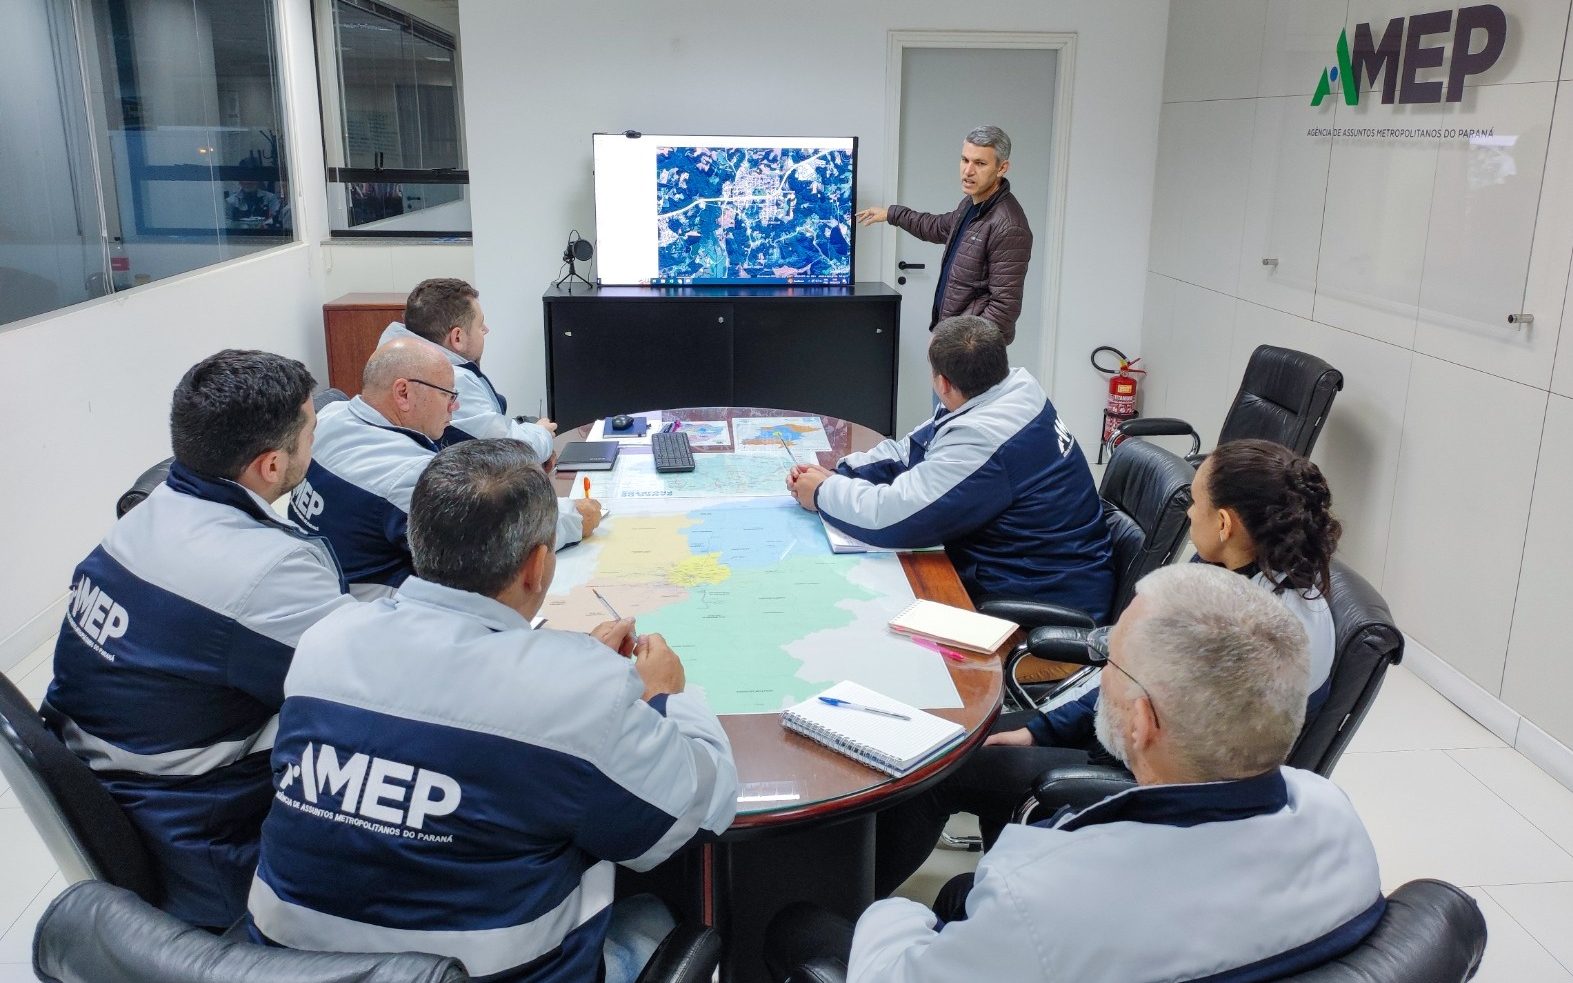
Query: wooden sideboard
(351,325)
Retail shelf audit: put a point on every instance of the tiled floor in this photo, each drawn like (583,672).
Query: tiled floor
(1441,796)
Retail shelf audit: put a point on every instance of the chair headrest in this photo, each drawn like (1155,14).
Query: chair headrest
(143,486)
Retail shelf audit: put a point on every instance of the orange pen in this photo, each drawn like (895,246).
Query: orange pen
(586,486)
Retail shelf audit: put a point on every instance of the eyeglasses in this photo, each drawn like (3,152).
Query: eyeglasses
(453,397)
(1098,650)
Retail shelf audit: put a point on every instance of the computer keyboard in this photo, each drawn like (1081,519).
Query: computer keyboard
(672,452)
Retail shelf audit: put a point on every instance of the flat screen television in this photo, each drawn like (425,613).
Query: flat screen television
(718,210)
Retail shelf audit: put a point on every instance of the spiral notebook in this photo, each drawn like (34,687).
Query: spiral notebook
(892,746)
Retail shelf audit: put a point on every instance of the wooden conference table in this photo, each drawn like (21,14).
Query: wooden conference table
(813,840)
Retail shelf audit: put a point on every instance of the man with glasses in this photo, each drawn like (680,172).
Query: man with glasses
(370,452)
(1220,863)
(446,311)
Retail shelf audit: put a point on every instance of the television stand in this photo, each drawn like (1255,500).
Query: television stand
(830,350)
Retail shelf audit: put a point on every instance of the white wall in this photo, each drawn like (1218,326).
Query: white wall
(88,390)
(1399,259)
(539,79)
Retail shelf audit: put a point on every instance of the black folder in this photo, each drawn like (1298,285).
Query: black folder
(588,455)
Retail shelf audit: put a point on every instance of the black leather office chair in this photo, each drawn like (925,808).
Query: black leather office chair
(96,932)
(143,487)
(84,828)
(158,473)
(1284,397)
(1146,491)
(1432,932)
(1367,642)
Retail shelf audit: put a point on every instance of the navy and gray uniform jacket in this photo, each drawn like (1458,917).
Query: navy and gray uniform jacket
(483,412)
(1071,724)
(357,493)
(1229,881)
(1001,483)
(170,667)
(451,781)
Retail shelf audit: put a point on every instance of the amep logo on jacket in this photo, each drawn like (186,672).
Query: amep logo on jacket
(95,616)
(1403,53)
(373,793)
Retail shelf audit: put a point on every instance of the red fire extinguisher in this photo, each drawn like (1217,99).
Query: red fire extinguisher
(1121,402)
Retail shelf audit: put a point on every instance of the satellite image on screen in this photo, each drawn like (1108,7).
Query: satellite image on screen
(758,214)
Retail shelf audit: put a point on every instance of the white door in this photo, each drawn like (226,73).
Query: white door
(945,92)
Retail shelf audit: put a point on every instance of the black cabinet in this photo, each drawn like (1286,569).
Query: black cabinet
(821,350)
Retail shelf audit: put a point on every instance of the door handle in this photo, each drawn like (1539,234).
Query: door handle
(904,265)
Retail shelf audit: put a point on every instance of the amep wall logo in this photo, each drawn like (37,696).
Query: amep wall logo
(1402,54)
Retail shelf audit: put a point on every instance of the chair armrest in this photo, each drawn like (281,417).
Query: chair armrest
(822,969)
(1035,614)
(1060,644)
(690,953)
(1158,426)
(1078,786)
(1431,930)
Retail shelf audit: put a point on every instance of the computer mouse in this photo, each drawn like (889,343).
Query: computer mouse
(621,422)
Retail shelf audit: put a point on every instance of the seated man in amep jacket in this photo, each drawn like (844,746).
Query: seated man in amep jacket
(451,780)
(995,477)
(447,312)
(1220,864)
(370,452)
(170,664)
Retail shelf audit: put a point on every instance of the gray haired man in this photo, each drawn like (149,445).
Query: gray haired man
(481,776)
(987,240)
(1221,862)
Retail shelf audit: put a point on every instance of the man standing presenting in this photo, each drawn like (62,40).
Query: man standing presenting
(987,240)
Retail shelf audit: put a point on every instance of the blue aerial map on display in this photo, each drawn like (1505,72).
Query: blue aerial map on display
(756,214)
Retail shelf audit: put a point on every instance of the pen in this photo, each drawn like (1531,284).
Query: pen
(611,610)
(587,495)
(786,447)
(832,701)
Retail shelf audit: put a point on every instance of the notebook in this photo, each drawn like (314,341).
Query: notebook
(588,455)
(840,542)
(892,746)
(953,626)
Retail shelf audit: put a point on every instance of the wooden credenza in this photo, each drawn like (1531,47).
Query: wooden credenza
(351,325)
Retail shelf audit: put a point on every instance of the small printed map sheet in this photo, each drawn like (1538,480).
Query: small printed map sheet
(763,434)
(707,433)
(749,595)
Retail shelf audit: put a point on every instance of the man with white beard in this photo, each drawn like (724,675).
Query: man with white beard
(1220,858)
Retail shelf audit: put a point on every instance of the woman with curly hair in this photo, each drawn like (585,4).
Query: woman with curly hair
(1260,510)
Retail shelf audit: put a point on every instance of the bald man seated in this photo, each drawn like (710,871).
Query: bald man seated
(369,453)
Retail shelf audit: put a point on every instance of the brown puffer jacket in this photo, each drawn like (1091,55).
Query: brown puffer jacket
(990,266)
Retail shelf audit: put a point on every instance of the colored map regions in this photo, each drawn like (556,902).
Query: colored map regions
(707,433)
(749,595)
(714,476)
(801,433)
(767,214)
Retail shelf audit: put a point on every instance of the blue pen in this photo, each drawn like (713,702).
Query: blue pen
(832,701)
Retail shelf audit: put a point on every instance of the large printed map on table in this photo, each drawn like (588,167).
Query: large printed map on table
(750,597)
